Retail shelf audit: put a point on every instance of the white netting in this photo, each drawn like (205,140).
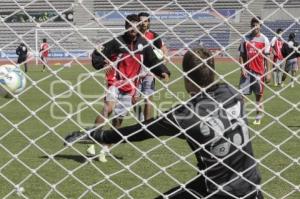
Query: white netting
(70,94)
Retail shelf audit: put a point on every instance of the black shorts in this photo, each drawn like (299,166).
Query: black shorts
(21,60)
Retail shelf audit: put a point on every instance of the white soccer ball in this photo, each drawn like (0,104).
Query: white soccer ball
(12,80)
(159,53)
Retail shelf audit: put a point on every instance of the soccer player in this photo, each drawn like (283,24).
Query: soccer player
(291,52)
(254,56)
(44,53)
(147,86)
(278,62)
(214,125)
(22,51)
(122,59)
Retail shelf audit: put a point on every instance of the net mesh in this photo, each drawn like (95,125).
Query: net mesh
(70,94)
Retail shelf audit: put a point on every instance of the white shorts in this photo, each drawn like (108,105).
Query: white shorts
(147,86)
(123,101)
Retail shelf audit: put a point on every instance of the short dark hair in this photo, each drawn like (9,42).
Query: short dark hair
(144,14)
(255,20)
(279,30)
(292,36)
(131,18)
(44,40)
(199,66)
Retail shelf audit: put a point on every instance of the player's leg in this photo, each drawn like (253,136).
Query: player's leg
(137,103)
(294,67)
(26,67)
(257,87)
(109,106)
(123,103)
(148,90)
(99,121)
(275,74)
(280,73)
(43,62)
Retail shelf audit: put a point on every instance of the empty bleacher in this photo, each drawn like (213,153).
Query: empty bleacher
(269,28)
(38,5)
(166,4)
(284,3)
(176,33)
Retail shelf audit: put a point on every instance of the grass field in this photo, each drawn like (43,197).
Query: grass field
(33,156)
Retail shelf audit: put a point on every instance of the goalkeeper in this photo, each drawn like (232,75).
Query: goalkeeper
(214,125)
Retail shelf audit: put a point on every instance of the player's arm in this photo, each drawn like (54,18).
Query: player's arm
(273,46)
(242,57)
(161,126)
(154,64)
(101,55)
(158,43)
(267,58)
(18,50)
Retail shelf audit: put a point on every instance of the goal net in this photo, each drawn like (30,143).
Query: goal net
(161,157)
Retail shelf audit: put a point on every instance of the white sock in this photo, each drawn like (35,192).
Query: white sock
(105,149)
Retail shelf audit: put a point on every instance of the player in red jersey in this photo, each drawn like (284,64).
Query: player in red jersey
(254,56)
(44,53)
(278,62)
(147,86)
(123,58)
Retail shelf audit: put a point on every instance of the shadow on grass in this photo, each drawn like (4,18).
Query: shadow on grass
(77,158)
(293,126)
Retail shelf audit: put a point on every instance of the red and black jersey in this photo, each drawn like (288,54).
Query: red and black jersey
(128,57)
(154,37)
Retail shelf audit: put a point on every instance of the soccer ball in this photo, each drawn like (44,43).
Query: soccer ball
(12,80)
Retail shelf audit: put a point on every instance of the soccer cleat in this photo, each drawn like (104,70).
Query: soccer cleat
(292,85)
(75,136)
(102,157)
(275,84)
(257,122)
(91,150)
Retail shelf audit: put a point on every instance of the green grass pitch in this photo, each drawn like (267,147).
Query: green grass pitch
(33,156)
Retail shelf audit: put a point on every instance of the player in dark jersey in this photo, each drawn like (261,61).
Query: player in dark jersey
(22,52)
(215,127)
(291,52)
(123,58)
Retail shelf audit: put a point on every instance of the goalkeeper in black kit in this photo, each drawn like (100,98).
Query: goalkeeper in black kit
(215,127)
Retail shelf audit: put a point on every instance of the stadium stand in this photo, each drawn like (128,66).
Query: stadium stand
(286,4)
(190,32)
(270,27)
(38,5)
(165,4)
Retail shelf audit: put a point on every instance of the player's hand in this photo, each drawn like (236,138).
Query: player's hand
(268,78)
(135,99)
(165,77)
(244,73)
(107,67)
